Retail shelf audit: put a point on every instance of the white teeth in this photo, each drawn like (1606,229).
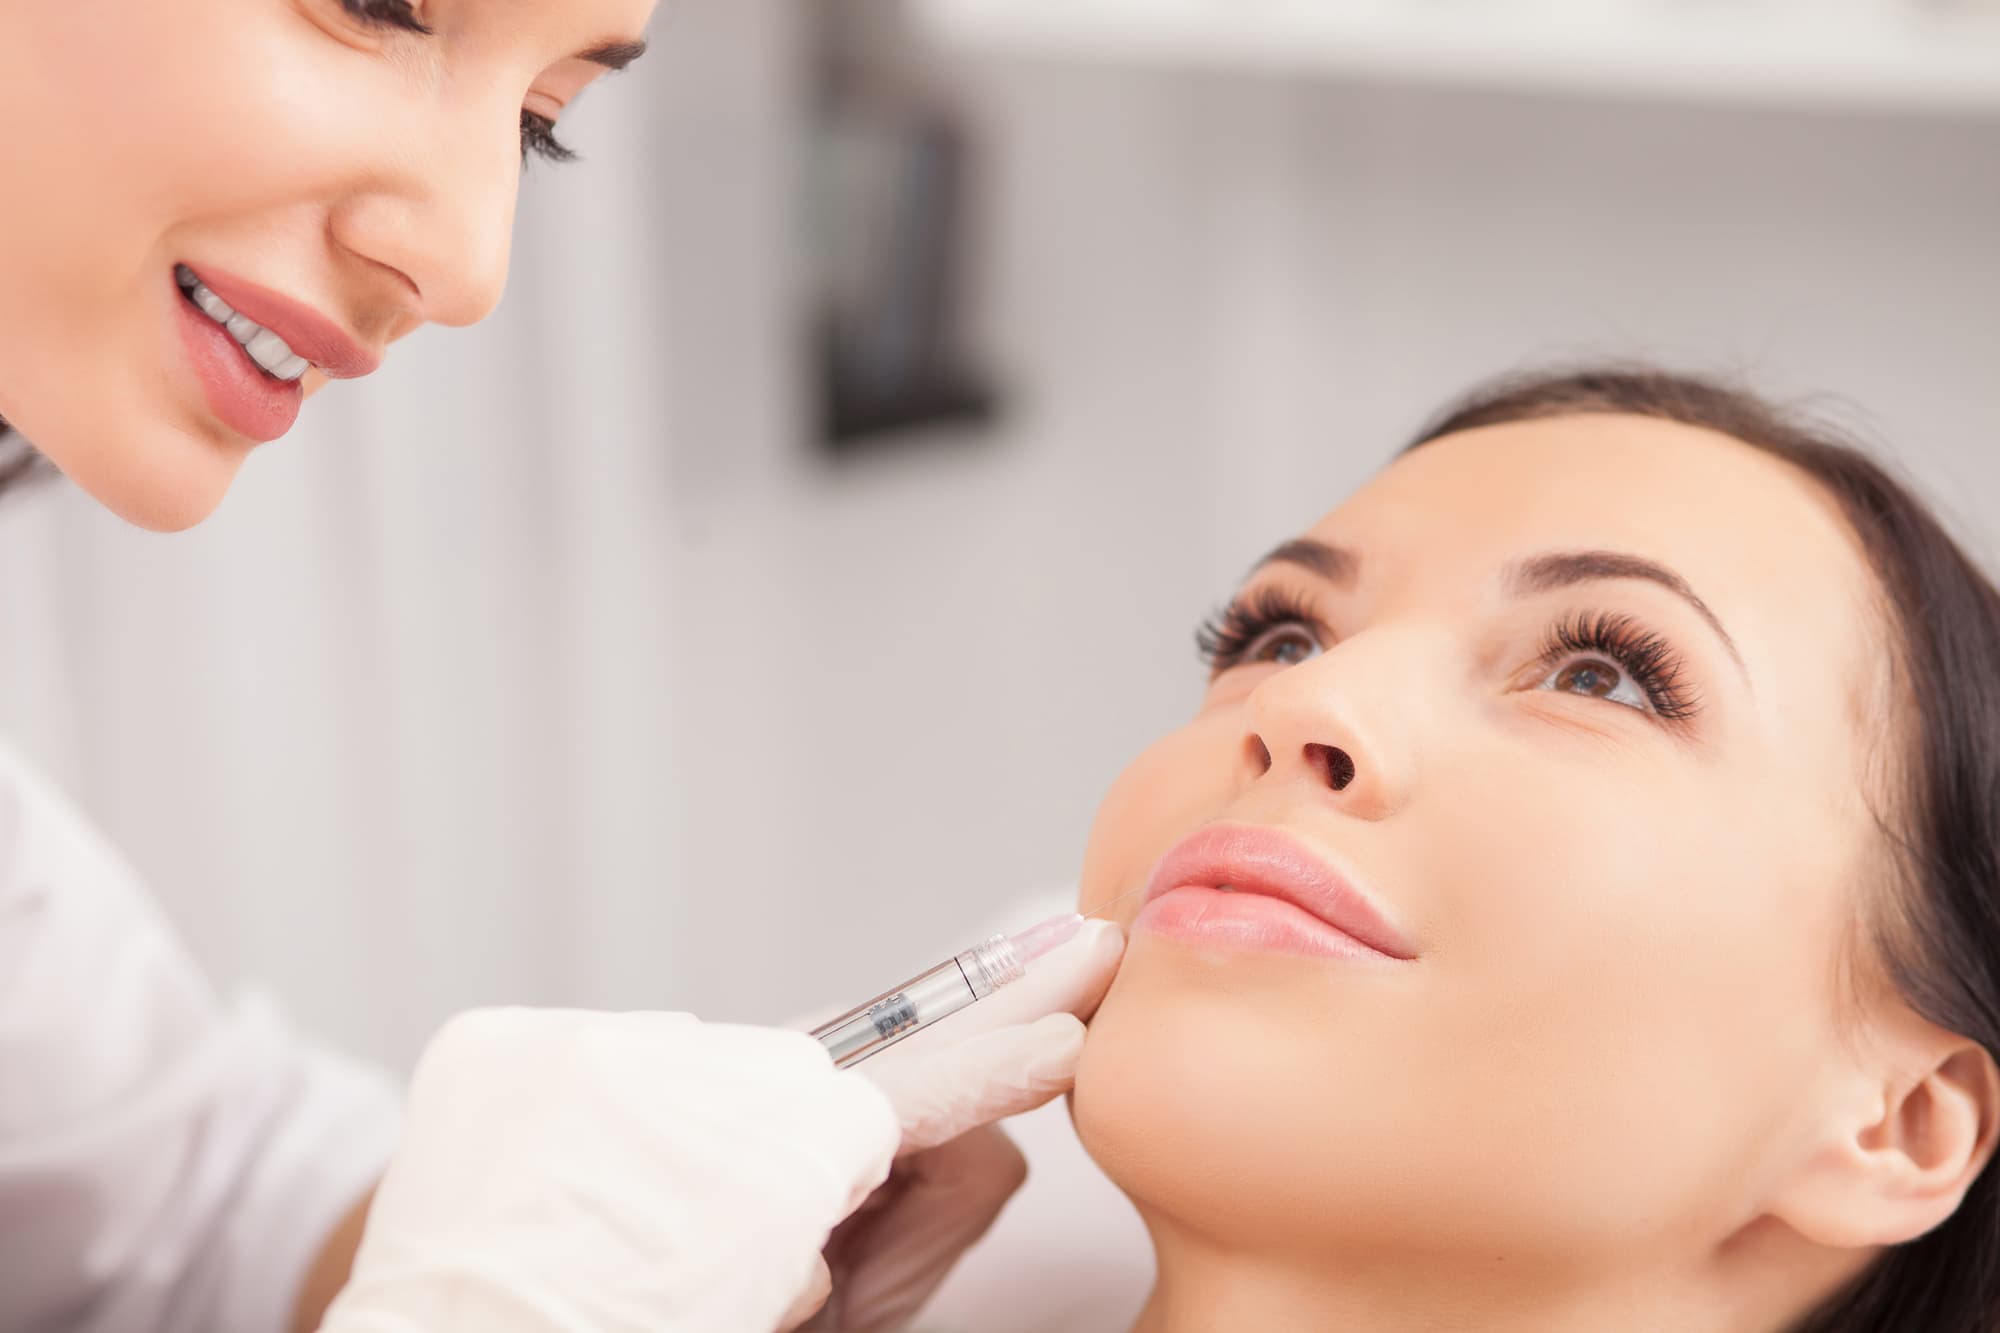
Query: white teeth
(266,348)
(212,305)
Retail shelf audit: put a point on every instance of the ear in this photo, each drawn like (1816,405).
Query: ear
(1898,1159)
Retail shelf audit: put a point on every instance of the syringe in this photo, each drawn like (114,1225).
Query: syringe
(941,991)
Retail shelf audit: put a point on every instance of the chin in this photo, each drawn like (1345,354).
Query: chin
(1224,1101)
(154,477)
(1187,1110)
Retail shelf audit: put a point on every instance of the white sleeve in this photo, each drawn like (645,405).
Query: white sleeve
(168,1164)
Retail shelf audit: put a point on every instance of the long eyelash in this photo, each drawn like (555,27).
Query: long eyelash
(1650,659)
(538,136)
(389,13)
(1224,637)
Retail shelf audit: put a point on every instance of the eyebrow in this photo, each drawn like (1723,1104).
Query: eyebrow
(1541,573)
(1335,564)
(613,55)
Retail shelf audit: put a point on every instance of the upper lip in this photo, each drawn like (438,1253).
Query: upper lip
(1253,859)
(307,332)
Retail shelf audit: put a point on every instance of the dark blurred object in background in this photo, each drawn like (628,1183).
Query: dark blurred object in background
(889,217)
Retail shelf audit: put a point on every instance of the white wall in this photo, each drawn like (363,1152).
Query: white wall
(553,669)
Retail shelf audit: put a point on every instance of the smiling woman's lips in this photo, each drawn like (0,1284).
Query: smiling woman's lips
(243,398)
(307,332)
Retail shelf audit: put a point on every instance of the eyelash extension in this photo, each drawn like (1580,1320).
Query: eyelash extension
(538,136)
(1650,660)
(537,132)
(1224,637)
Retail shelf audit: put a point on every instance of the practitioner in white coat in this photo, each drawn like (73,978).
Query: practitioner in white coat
(206,211)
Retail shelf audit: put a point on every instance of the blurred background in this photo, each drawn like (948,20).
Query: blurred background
(763,598)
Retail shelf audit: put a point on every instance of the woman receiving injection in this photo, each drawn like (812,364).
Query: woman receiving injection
(1574,904)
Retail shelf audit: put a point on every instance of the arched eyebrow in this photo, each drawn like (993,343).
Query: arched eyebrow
(1540,573)
(613,55)
(1561,569)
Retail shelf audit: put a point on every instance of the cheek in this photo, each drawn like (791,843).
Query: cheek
(1177,784)
(150,119)
(172,115)
(165,131)
(1637,977)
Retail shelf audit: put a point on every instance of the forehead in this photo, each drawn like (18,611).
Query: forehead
(1757,540)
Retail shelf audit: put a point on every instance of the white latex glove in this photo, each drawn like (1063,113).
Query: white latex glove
(570,1172)
(573,1172)
(1011,1052)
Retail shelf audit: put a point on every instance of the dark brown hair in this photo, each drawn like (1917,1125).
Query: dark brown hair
(1938,938)
(19,463)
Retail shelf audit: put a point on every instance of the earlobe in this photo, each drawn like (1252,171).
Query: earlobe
(1900,1169)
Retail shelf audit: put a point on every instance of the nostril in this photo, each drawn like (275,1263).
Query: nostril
(1332,761)
(1259,754)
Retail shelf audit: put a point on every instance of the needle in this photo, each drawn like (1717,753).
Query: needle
(1108,904)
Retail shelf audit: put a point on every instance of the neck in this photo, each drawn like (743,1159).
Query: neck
(1205,1284)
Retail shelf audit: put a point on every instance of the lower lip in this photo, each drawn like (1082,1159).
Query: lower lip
(1249,922)
(242,396)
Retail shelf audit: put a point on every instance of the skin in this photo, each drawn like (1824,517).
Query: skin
(363,170)
(1639,1074)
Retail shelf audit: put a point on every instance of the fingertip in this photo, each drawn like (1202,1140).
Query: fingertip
(1059,1030)
(1104,936)
(1088,960)
(1109,943)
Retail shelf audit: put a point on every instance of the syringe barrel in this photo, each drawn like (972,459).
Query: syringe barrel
(920,1001)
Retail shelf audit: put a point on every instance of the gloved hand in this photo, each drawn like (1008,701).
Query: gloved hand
(570,1172)
(1009,1053)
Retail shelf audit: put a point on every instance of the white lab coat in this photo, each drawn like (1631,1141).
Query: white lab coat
(168,1162)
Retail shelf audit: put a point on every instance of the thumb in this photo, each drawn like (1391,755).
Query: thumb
(985,1078)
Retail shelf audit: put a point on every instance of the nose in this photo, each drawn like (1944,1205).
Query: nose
(444,220)
(1343,725)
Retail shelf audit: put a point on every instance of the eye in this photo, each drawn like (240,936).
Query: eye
(1264,625)
(1615,658)
(1287,645)
(1596,678)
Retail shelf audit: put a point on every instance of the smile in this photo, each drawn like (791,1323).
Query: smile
(271,353)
